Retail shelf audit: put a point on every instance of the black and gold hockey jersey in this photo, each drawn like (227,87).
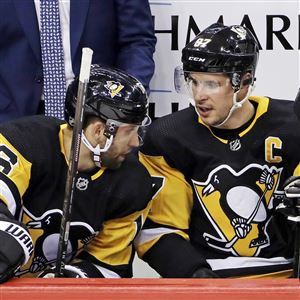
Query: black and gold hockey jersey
(219,189)
(109,206)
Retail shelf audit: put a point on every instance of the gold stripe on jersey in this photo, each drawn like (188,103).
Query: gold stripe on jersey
(273,275)
(113,245)
(297,171)
(262,108)
(61,141)
(141,249)
(174,213)
(19,172)
(99,173)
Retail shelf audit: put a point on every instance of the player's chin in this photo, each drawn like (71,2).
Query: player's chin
(208,121)
(212,120)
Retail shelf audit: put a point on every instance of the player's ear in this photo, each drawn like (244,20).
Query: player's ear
(98,128)
(246,79)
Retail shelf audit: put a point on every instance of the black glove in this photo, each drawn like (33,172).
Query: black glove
(69,271)
(290,204)
(204,273)
(15,247)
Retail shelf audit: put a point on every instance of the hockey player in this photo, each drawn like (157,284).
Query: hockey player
(112,193)
(220,166)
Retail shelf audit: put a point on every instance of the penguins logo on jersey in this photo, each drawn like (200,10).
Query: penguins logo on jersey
(113,87)
(44,231)
(238,206)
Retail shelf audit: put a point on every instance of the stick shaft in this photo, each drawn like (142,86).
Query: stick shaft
(73,161)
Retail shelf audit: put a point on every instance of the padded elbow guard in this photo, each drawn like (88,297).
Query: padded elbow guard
(16,246)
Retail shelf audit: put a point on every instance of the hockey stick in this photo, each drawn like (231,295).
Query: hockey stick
(215,242)
(228,244)
(73,161)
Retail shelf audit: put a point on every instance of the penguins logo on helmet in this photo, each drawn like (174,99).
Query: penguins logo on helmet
(240,31)
(113,87)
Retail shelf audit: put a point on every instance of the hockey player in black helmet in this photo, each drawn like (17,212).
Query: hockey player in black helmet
(221,165)
(228,55)
(112,193)
(115,98)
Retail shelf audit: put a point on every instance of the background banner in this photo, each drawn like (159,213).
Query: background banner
(274,23)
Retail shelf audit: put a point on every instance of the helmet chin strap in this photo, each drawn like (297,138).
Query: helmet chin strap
(235,105)
(97,150)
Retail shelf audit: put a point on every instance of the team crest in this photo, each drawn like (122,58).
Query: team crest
(113,87)
(240,31)
(238,205)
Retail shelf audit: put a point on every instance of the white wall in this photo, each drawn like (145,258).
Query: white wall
(278,67)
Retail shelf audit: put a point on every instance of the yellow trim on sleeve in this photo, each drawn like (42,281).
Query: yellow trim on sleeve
(114,244)
(20,171)
(297,170)
(173,204)
(273,275)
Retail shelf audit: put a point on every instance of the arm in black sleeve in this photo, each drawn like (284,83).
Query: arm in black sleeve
(174,257)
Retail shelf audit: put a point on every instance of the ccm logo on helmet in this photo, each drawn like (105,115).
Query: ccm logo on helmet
(194,58)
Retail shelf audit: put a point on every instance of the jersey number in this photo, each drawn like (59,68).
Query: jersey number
(7,159)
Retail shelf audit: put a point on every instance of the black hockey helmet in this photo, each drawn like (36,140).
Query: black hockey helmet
(111,94)
(222,49)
